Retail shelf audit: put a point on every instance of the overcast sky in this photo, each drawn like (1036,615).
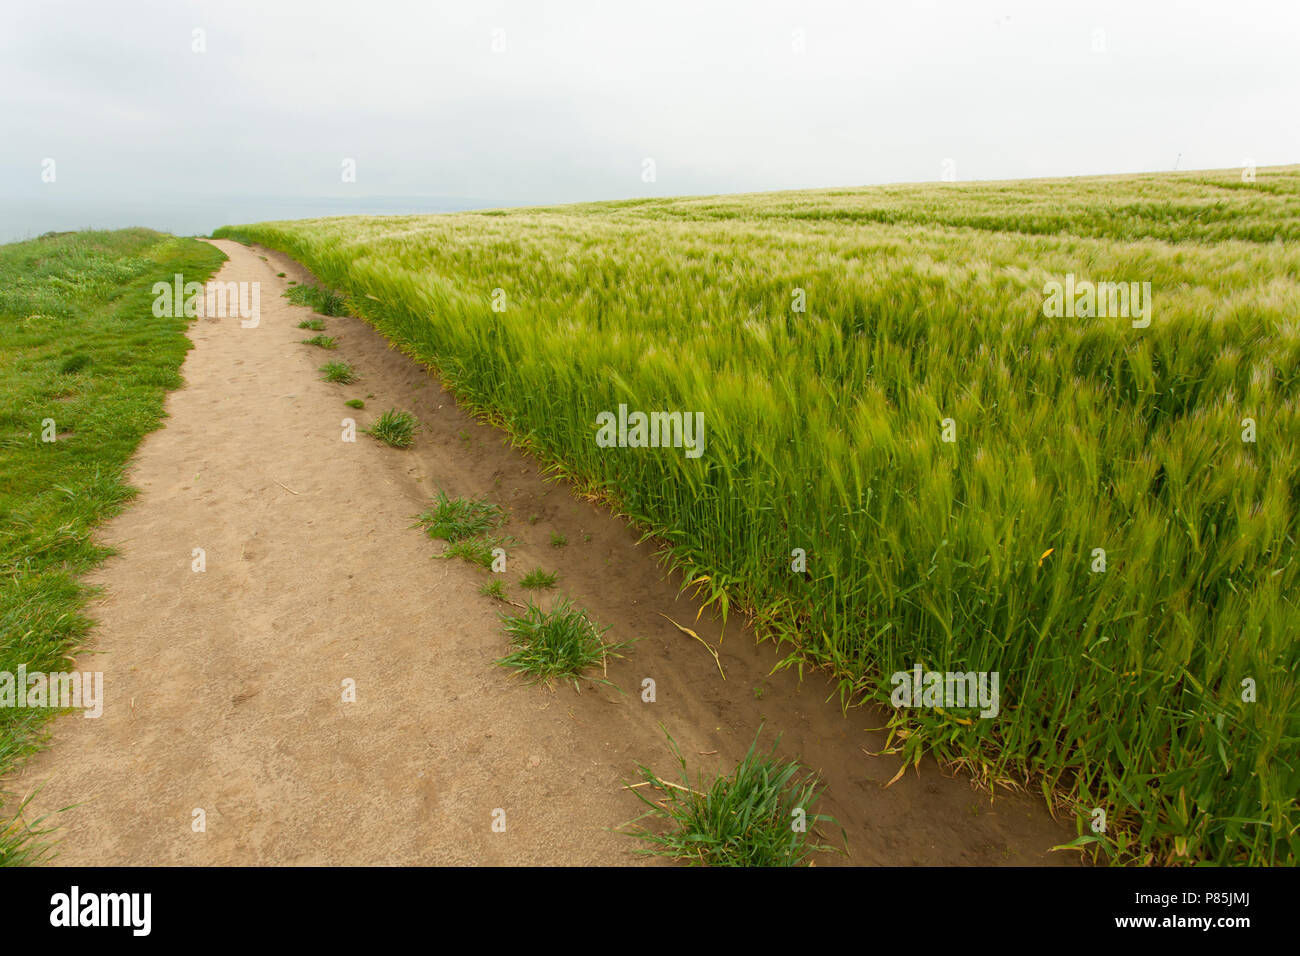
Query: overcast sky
(577,94)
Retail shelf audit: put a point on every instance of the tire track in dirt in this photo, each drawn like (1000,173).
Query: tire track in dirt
(223,688)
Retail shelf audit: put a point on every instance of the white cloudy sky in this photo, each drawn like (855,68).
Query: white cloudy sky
(585,90)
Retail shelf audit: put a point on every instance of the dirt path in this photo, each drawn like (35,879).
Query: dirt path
(224,688)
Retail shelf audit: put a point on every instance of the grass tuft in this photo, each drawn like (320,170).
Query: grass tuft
(340,372)
(474,550)
(559,643)
(538,579)
(760,815)
(395,428)
(324,301)
(453,519)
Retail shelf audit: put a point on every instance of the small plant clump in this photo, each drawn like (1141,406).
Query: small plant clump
(322,341)
(395,428)
(538,579)
(340,372)
(760,815)
(474,550)
(561,642)
(453,519)
(324,301)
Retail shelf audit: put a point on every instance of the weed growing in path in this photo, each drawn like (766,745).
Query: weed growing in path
(758,816)
(474,550)
(561,642)
(538,579)
(394,428)
(453,519)
(320,300)
(324,341)
(495,590)
(315,325)
(340,372)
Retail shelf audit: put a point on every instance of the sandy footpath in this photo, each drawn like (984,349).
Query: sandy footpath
(224,689)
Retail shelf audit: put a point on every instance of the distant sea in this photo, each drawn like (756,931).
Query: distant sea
(28,218)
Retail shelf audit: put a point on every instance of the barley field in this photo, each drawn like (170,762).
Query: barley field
(1103,511)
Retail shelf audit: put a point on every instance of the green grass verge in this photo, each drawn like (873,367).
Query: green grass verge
(82,356)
